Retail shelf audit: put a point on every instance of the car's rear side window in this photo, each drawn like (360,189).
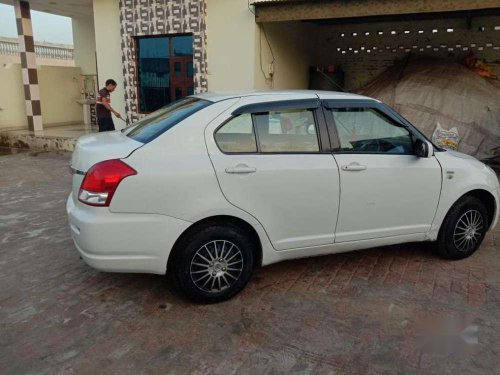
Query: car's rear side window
(292,130)
(158,122)
(283,131)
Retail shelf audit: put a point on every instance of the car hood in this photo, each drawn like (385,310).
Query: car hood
(460,155)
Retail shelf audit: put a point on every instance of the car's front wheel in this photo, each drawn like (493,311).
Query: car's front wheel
(214,263)
(463,229)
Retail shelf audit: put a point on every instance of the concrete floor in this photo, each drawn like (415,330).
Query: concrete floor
(388,310)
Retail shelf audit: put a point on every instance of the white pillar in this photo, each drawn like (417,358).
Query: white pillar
(84,44)
(109,51)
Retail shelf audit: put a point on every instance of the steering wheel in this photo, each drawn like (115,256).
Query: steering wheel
(378,145)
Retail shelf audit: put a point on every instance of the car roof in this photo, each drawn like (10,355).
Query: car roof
(218,96)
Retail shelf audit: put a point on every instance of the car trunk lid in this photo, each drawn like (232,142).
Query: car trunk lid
(94,148)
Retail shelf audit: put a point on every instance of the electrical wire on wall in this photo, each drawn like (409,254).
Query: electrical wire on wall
(250,9)
(268,78)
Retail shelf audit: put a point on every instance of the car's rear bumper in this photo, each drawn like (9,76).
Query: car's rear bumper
(123,242)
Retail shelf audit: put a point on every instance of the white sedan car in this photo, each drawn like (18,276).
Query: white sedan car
(214,185)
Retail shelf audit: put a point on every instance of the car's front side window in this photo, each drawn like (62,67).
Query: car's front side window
(365,130)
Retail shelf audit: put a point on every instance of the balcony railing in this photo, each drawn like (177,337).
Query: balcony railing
(10,46)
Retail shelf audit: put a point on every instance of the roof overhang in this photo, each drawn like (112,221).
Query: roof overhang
(308,10)
(68,8)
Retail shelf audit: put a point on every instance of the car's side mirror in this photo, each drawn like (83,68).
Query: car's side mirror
(424,148)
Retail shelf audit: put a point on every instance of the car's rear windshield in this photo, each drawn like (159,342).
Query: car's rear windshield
(158,122)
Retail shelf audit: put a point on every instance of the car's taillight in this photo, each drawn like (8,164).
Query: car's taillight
(101,181)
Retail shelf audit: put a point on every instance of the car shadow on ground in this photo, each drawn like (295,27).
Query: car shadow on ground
(162,289)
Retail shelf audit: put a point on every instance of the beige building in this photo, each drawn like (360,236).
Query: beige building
(57,76)
(161,50)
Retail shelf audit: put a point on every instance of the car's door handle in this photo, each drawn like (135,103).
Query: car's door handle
(354,167)
(241,169)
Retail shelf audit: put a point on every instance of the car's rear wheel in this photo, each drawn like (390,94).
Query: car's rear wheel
(214,263)
(463,229)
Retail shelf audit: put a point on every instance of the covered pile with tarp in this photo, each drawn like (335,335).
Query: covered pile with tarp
(431,91)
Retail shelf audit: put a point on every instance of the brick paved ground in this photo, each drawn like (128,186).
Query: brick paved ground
(389,310)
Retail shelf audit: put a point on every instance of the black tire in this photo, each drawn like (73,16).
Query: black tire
(456,243)
(228,240)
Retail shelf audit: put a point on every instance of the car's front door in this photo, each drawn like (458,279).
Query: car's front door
(270,162)
(386,189)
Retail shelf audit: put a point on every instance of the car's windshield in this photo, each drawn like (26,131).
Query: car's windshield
(158,122)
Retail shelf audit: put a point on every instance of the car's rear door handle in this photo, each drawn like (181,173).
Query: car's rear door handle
(354,167)
(241,169)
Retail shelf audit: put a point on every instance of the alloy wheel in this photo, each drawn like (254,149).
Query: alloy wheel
(216,266)
(468,230)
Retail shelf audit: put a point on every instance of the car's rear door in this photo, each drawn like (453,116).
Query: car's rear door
(386,189)
(271,156)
